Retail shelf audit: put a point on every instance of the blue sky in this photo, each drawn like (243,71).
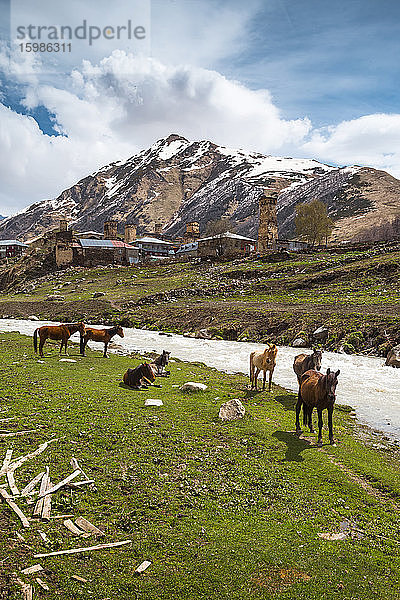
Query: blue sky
(313,78)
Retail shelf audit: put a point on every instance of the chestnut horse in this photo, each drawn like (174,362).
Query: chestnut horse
(134,377)
(317,391)
(56,332)
(305,362)
(100,335)
(263,361)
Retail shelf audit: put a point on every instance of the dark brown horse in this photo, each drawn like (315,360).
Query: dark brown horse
(142,376)
(56,332)
(317,391)
(305,362)
(100,335)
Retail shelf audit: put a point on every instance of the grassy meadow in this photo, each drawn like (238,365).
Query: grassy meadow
(224,511)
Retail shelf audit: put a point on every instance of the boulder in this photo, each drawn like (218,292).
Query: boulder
(203,334)
(299,343)
(233,409)
(321,334)
(153,402)
(55,297)
(192,386)
(98,294)
(393,357)
(33,318)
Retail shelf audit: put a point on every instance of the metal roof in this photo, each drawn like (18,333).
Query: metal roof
(187,247)
(152,240)
(227,234)
(88,243)
(12,243)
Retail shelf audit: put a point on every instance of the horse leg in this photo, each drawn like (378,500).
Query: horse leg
(298,408)
(61,346)
(320,424)
(105,350)
(65,346)
(310,423)
(330,426)
(251,374)
(41,344)
(83,346)
(256,378)
(264,378)
(270,381)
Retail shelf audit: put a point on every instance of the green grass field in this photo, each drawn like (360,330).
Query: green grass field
(224,511)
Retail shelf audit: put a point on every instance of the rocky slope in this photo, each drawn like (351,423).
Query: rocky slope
(176,181)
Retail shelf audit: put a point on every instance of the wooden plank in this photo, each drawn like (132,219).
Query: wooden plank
(7,459)
(14,507)
(79,484)
(72,527)
(20,461)
(143,566)
(32,569)
(12,484)
(32,484)
(14,433)
(76,465)
(60,484)
(42,584)
(88,526)
(27,589)
(37,511)
(82,579)
(46,506)
(87,549)
(19,536)
(44,537)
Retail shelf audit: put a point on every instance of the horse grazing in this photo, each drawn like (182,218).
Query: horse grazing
(134,377)
(56,332)
(317,391)
(161,362)
(305,362)
(100,335)
(263,361)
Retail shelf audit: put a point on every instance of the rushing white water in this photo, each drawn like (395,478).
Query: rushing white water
(364,382)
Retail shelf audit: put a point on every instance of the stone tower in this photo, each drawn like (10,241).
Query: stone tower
(130,233)
(192,232)
(63,225)
(268,227)
(158,227)
(110,229)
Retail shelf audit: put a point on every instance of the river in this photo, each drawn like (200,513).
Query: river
(372,389)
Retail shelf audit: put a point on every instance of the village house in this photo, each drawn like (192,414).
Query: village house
(226,244)
(152,247)
(11,248)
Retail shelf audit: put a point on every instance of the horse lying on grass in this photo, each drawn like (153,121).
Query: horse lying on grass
(100,335)
(263,361)
(160,363)
(134,378)
(305,362)
(56,332)
(317,391)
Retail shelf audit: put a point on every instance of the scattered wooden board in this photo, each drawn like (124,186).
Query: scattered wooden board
(27,589)
(20,461)
(88,526)
(72,527)
(44,537)
(46,507)
(82,579)
(143,566)
(7,459)
(42,584)
(19,536)
(12,484)
(37,511)
(5,495)
(32,569)
(87,549)
(60,484)
(78,484)
(11,434)
(31,485)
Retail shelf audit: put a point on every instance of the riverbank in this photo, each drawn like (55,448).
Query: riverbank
(222,510)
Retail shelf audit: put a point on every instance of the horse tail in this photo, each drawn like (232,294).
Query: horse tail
(35,339)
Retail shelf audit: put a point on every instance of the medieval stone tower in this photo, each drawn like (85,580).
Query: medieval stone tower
(110,229)
(268,227)
(192,232)
(130,233)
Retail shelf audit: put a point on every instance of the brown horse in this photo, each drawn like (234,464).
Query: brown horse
(56,332)
(263,361)
(317,391)
(100,335)
(305,362)
(134,378)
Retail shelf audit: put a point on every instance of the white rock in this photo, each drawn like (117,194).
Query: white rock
(192,386)
(233,409)
(153,402)
(393,357)
(299,343)
(67,360)
(33,318)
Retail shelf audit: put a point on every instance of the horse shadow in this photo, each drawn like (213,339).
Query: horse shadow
(295,445)
(288,401)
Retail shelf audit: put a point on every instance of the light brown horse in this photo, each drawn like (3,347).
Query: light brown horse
(56,332)
(263,361)
(305,362)
(317,391)
(100,335)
